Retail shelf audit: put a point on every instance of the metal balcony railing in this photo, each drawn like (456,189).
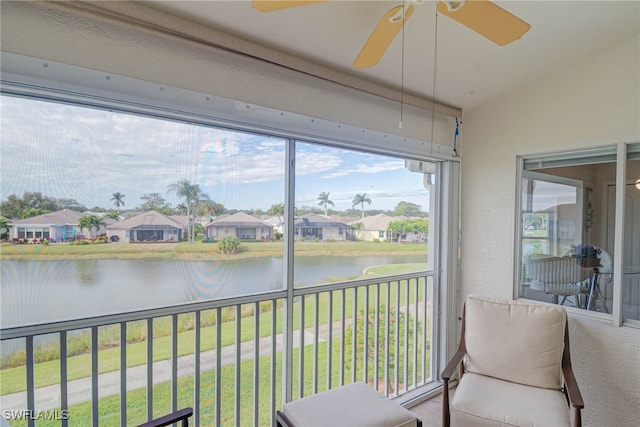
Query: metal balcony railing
(234,360)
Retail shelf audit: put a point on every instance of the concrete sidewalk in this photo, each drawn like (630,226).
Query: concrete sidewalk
(109,383)
(79,391)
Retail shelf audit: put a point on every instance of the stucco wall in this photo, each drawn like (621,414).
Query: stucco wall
(592,102)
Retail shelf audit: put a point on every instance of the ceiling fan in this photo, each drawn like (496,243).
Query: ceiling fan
(482,16)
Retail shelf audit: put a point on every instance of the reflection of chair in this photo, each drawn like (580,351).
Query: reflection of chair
(558,276)
(515,367)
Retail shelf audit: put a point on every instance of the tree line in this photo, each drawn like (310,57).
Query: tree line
(195,204)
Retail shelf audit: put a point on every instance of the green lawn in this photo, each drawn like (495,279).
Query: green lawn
(198,251)
(13,379)
(109,407)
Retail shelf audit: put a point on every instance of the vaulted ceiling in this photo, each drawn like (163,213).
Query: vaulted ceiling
(469,69)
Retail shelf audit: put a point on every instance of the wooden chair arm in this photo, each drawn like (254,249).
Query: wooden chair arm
(571,386)
(174,417)
(453,364)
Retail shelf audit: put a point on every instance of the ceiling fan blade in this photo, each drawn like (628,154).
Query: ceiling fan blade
(271,5)
(487,19)
(382,36)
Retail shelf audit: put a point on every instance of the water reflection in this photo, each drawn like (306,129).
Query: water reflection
(37,291)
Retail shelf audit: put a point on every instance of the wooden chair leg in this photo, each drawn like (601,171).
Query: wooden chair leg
(446,418)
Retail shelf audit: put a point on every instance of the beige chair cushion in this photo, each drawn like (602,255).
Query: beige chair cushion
(517,342)
(481,401)
(354,405)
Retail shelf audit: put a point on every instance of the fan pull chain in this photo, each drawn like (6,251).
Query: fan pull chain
(435,70)
(402,68)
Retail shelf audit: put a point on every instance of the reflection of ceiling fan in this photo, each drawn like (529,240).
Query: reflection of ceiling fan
(482,16)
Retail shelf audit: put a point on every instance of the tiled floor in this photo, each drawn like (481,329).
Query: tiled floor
(430,412)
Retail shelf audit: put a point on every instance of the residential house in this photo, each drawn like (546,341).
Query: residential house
(375,227)
(240,225)
(149,226)
(59,226)
(313,226)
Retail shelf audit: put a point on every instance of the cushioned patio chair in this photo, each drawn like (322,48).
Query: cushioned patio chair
(515,367)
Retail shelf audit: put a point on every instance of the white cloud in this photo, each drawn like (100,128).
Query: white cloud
(308,163)
(367,169)
(87,155)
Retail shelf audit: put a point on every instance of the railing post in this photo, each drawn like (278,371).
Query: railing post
(64,392)
(30,379)
(123,374)
(196,374)
(94,377)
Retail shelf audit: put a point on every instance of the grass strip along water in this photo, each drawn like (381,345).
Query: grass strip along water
(12,379)
(198,251)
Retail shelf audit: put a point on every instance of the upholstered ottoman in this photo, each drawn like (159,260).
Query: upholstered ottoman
(351,405)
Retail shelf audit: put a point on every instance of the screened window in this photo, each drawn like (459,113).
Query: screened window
(345,200)
(156,213)
(120,180)
(568,231)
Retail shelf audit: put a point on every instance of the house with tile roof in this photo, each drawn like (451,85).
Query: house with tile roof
(59,226)
(148,226)
(375,227)
(240,225)
(313,226)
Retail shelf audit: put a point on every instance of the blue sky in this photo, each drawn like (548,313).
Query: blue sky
(87,155)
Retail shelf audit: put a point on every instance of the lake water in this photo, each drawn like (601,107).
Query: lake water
(45,291)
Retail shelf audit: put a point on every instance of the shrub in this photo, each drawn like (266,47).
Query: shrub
(229,245)
(386,320)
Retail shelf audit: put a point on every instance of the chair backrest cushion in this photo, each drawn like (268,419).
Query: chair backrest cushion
(514,341)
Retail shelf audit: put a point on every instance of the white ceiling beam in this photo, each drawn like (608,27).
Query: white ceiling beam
(163,24)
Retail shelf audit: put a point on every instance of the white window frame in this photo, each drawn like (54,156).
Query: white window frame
(621,151)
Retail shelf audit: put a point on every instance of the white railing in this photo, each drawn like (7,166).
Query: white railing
(228,359)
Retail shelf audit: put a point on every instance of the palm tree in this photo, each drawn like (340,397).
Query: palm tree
(117,200)
(184,188)
(5,226)
(325,202)
(192,195)
(89,222)
(211,208)
(198,198)
(277,210)
(361,199)
(359,227)
(181,209)
(113,215)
